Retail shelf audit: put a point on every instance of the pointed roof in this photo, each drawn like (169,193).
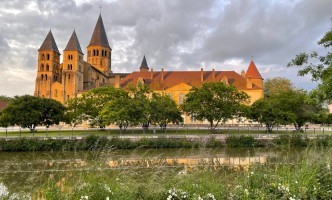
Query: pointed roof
(49,43)
(99,36)
(73,44)
(144,64)
(253,72)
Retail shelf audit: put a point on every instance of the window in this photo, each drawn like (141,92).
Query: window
(47,68)
(192,119)
(94,52)
(45,77)
(43,56)
(42,67)
(181,98)
(42,77)
(48,56)
(105,53)
(68,76)
(97,52)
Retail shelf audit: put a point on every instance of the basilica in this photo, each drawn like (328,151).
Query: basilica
(75,75)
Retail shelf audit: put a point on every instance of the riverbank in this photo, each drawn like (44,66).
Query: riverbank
(93,142)
(93,176)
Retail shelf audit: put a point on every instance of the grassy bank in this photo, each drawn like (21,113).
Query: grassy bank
(97,142)
(310,179)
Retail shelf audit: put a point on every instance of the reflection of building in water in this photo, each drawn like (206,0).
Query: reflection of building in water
(236,162)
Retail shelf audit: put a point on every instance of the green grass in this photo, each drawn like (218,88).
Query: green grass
(309,179)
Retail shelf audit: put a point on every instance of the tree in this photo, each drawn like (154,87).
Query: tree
(29,111)
(141,95)
(5,98)
(164,111)
(90,105)
(122,111)
(214,102)
(276,85)
(287,107)
(319,66)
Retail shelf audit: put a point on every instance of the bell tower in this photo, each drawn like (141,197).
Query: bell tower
(48,70)
(72,75)
(99,51)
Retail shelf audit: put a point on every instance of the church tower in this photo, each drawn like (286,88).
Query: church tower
(72,75)
(48,67)
(99,51)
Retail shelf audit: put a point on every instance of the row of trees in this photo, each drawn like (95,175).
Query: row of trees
(214,102)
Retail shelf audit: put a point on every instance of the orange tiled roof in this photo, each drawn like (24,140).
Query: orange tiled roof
(3,105)
(192,78)
(253,72)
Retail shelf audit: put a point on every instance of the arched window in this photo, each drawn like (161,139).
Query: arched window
(43,56)
(45,77)
(48,56)
(71,57)
(105,53)
(68,67)
(68,76)
(42,77)
(47,68)
(68,57)
(42,67)
(97,52)
(94,52)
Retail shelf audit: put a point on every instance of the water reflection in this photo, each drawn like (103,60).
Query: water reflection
(113,159)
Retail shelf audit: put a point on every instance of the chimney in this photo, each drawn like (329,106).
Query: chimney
(202,75)
(151,77)
(117,81)
(162,74)
(213,75)
(243,74)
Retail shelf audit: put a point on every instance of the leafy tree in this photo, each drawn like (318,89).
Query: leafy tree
(214,102)
(319,66)
(89,105)
(29,111)
(288,107)
(276,85)
(266,111)
(122,111)
(5,98)
(141,95)
(164,111)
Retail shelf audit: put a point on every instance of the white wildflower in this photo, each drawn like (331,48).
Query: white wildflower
(3,190)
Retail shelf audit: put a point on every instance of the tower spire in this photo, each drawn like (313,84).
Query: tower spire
(73,44)
(99,37)
(49,43)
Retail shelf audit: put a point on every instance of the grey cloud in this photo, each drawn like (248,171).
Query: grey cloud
(175,35)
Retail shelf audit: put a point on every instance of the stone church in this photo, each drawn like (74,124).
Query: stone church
(66,80)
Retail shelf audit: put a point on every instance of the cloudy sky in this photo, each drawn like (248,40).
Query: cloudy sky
(173,34)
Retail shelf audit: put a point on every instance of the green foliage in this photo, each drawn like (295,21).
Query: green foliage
(90,105)
(215,102)
(5,98)
(276,85)
(29,111)
(164,111)
(123,111)
(289,107)
(318,66)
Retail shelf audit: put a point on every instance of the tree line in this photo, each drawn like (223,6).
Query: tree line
(139,106)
